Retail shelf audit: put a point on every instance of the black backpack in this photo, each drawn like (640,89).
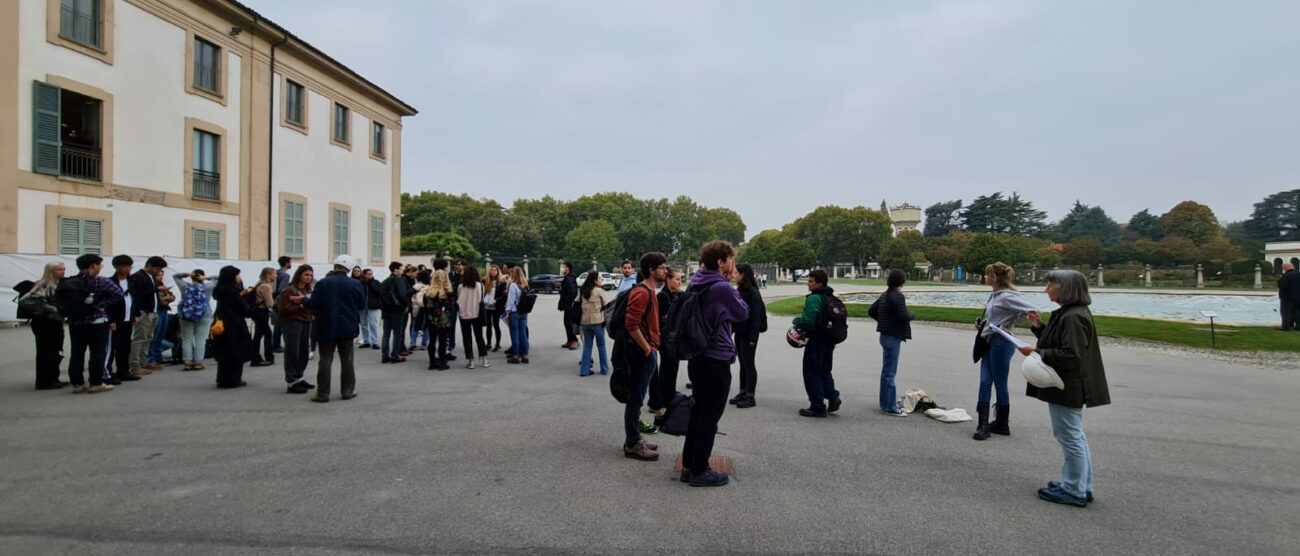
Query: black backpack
(686,334)
(74,298)
(526,301)
(677,415)
(616,313)
(835,319)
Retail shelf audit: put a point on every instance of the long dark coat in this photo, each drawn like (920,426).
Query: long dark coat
(1068,343)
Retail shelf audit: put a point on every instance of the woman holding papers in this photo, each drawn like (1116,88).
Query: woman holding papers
(1004,309)
(1068,344)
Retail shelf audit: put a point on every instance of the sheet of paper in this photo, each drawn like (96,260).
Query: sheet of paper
(1015,340)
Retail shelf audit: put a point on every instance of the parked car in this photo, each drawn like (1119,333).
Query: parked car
(545,283)
(608,281)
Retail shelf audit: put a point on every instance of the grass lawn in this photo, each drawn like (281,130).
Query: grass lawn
(1232,338)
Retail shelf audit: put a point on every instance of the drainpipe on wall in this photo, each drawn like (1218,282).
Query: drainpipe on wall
(270,153)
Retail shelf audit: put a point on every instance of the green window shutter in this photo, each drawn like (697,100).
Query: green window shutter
(214,244)
(69,236)
(46,142)
(92,236)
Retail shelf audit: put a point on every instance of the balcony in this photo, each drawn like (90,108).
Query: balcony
(207,185)
(81,162)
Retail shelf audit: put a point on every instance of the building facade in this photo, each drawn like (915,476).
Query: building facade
(906,218)
(189,128)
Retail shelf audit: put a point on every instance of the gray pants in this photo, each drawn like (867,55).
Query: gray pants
(296,342)
(141,337)
(347,373)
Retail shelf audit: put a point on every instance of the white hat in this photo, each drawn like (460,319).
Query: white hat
(344,261)
(1039,374)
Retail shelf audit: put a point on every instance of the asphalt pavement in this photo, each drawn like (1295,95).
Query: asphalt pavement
(1193,456)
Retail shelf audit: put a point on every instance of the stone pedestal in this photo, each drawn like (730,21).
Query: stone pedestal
(526,273)
(1200,277)
(1101,276)
(1146,276)
(1259,282)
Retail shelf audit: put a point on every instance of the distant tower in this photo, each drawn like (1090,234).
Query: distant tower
(906,217)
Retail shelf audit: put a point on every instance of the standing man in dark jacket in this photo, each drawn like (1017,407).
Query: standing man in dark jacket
(572,311)
(144,313)
(710,371)
(119,316)
(395,298)
(819,354)
(1288,293)
(337,303)
(88,330)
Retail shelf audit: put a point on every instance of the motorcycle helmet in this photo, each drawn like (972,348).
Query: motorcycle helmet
(796,337)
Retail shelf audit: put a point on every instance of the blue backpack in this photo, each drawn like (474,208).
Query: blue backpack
(194,304)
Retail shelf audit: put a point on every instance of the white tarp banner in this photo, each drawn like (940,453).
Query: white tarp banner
(15,268)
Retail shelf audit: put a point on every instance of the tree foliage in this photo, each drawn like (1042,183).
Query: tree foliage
(1145,225)
(1276,218)
(593,239)
(896,255)
(761,248)
(942,219)
(1003,215)
(1191,220)
(795,253)
(441,243)
(984,250)
(837,234)
(1084,251)
(1085,221)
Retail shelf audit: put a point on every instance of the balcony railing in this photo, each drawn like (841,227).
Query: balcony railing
(207,185)
(83,163)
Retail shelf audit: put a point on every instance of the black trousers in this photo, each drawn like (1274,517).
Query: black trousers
(121,351)
(49,350)
(229,373)
(571,318)
(745,349)
(438,343)
(664,384)
(262,335)
(473,328)
(711,381)
(492,325)
(93,337)
(1290,310)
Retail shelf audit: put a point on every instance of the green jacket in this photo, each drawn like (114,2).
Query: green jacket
(812,309)
(1068,344)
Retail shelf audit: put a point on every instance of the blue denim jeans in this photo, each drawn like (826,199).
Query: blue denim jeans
(818,361)
(890,346)
(418,327)
(519,334)
(159,343)
(593,333)
(370,326)
(1067,427)
(994,368)
(641,381)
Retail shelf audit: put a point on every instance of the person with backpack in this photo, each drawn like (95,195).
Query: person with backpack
(160,341)
(519,303)
(83,299)
(282,279)
(894,323)
(1004,308)
(437,315)
(663,387)
(719,305)
(195,316)
(370,316)
(46,325)
(747,333)
(568,305)
(336,304)
(816,320)
(638,346)
(395,298)
(592,305)
(469,305)
(144,312)
(296,320)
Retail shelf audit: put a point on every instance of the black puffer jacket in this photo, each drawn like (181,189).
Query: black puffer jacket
(757,322)
(892,316)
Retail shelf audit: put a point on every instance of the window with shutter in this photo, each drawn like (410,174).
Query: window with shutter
(78,236)
(47,106)
(206,243)
(293,229)
(376,238)
(341,223)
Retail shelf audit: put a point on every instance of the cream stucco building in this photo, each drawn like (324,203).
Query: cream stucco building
(189,128)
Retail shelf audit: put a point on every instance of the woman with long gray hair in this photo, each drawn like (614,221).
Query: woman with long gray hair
(46,325)
(1068,344)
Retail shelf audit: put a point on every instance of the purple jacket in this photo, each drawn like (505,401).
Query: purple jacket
(721,304)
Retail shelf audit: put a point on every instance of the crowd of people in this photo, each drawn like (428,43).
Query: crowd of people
(120,325)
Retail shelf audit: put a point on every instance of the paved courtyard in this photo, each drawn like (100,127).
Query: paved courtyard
(1194,456)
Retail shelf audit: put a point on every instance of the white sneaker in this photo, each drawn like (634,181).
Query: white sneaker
(469,364)
(485,363)
(311,355)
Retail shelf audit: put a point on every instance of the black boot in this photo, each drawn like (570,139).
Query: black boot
(982,429)
(1002,423)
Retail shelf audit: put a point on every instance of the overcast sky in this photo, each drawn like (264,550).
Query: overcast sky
(774,107)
